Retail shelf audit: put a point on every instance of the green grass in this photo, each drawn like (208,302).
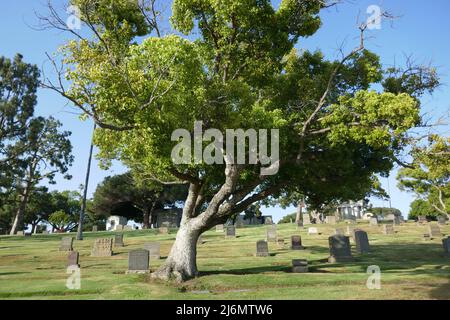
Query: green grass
(33,268)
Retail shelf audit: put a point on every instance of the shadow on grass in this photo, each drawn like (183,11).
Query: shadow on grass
(12,273)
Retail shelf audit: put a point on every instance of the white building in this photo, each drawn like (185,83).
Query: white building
(352,209)
(113,223)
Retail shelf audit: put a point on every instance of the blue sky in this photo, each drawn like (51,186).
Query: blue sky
(421,29)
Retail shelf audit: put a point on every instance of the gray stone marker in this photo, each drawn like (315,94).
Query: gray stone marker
(330,219)
(118,240)
(230,232)
(119,227)
(271,233)
(373,222)
(362,241)
(446,244)
(422,219)
(154,249)
(268,220)
(163,230)
(66,244)
(299,266)
(45,232)
(434,230)
(280,242)
(94,228)
(442,220)
(296,243)
(73,259)
(426,237)
(306,219)
(128,228)
(20,233)
(313,230)
(388,229)
(102,248)
(339,249)
(219,228)
(262,248)
(138,261)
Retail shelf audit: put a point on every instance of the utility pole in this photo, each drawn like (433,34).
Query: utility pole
(86,183)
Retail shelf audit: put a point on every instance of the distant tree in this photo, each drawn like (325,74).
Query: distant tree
(46,152)
(429,175)
(288,218)
(420,207)
(39,207)
(254,211)
(382,211)
(66,210)
(125,195)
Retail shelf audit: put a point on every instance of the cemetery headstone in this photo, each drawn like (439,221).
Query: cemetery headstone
(128,228)
(434,230)
(219,228)
(296,243)
(20,233)
(271,233)
(373,222)
(94,228)
(268,220)
(446,244)
(426,237)
(73,258)
(230,232)
(163,230)
(102,248)
(442,220)
(138,261)
(330,219)
(312,231)
(306,219)
(422,219)
(339,249)
(397,221)
(262,248)
(119,227)
(118,240)
(154,249)
(362,241)
(66,244)
(388,229)
(299,266)
(45,232)
(280,242)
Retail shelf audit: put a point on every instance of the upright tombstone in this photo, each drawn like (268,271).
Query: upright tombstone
(434,230)
(73,259)
(446,244)
(102,248)
(230,232)
(128,228)
(362,241)
(94,228)
(163,230)
(219,228)
(373,222)
(262,248)
(138,261)
(268,220)
(120,227)
(271,233)
(296,243)
(66,244)
(299,265)
(20,233)
(313,231)
(422,219)
(154,249)
(442,220)
(388,229)
(118,240)
(306,219)
(280,242)
(330,220)
(339,231)
(339,249)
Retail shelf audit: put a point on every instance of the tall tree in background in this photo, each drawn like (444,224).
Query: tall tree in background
(429,175)
(124,195)
(241,72)
(46,152)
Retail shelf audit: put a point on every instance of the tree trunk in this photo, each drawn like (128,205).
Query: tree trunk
(181,265)
(299,216)
(18,220)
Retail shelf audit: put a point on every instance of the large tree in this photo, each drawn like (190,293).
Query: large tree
(242,71)
(46,152)
(429,174)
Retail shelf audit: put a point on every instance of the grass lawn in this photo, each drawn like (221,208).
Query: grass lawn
(33,268)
